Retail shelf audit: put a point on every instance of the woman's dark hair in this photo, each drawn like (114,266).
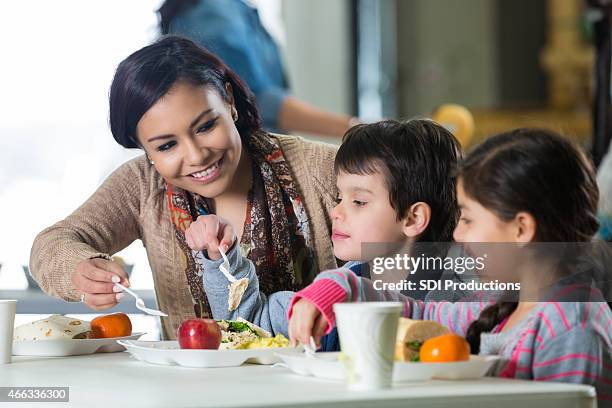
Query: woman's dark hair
(417,158)
(149,73)
(541,173)
(170,9)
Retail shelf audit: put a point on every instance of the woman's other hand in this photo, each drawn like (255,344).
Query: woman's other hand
(94,279)
(306,320)
(210,232)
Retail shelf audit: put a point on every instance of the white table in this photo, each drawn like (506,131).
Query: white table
(116,380)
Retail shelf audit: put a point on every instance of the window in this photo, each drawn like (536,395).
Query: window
(55,143)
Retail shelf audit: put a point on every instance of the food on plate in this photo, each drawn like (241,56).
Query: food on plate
(113,325)
(237,333)
(199,334)
(241,334)
(54,327)
(445,348)
(411,334)
(226,335)
(266,342)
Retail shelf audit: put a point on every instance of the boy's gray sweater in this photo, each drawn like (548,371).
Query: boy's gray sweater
(268,312)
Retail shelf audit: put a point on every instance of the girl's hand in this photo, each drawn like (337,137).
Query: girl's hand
(306,320)
(210,232)
(94,279)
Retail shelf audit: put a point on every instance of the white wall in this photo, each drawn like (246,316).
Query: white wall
(443,45)
(318,52)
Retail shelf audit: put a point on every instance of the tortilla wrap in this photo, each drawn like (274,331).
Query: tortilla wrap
(54,327)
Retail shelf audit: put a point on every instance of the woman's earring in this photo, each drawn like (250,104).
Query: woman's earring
(234,113)
(151,161)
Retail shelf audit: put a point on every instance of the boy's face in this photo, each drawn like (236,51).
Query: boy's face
(363,214)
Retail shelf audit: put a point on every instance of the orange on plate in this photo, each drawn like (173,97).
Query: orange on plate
(445,348)
(113,325)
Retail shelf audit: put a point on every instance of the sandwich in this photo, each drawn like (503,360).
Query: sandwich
(411,334)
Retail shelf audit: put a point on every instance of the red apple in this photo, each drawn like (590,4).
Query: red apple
(199,334)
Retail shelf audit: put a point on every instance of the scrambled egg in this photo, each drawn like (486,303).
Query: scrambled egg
(266,342)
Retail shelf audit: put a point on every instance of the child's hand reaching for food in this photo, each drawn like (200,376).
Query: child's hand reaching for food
(306,320)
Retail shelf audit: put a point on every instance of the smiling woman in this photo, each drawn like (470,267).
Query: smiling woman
(193,142)
(205,152)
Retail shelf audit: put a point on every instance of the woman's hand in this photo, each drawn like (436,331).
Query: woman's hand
(94,279)
(306,320)
(210,232)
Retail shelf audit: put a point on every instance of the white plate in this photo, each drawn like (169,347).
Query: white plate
(69,347)
(475,367)
(326,365)
(169,353)
(322,365)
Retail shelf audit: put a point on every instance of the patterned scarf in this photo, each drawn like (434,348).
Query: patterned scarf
(276,235)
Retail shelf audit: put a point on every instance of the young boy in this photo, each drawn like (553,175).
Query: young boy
(396,186)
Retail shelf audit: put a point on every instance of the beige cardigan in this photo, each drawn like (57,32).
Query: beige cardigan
(131,204)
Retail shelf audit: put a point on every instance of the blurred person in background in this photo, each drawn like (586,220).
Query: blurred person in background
(233,30)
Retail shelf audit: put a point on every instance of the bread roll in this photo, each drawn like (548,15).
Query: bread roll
(410,332)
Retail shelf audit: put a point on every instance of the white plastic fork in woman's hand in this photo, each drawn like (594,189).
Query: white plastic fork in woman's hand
(140,303)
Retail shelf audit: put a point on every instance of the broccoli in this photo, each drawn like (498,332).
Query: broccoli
(238,327)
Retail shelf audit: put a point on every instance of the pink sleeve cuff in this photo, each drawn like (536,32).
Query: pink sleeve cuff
(323,294)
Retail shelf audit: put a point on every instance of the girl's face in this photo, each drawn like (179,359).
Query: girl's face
(191,137)
(484,234)
(478,224)
(363,215)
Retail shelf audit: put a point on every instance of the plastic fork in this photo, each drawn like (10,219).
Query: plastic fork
(140,303)
(225,266)
(310,349)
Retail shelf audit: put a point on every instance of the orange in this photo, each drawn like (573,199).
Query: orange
(113,325)
(445,348)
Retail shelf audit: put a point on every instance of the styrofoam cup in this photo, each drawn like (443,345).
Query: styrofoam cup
(367,334)
(7,322)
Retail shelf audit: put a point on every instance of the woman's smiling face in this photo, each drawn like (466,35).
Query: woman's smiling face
(191,137)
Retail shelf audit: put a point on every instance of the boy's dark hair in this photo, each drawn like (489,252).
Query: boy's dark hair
(417,158)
